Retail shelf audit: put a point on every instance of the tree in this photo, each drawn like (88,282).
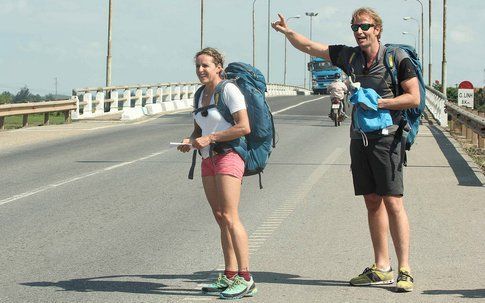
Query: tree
(23,95)
(5,98)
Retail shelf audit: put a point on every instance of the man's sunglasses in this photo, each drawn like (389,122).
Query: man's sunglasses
(363,26)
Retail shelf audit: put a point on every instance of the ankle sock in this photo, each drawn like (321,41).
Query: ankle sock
(245,274)
(230,274)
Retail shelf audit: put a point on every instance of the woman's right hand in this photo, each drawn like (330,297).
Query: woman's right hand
(186,147)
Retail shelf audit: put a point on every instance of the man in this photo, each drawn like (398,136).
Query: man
(375,161)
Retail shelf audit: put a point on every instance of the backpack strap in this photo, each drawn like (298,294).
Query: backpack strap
(192,166)
(392,63)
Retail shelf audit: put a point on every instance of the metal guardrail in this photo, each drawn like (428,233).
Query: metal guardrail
(25,109)
(462,121)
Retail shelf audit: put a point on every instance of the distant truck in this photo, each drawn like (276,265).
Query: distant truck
(323,73)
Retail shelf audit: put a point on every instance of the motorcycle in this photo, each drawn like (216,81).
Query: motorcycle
(338,94)
(337,110)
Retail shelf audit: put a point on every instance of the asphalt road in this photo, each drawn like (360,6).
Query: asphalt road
(103,212)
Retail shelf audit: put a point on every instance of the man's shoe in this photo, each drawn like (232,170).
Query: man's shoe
(239,288)
(218,286)
(373,276)
(405,282)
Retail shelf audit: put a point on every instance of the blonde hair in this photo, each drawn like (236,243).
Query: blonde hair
(217,57)
(371,13)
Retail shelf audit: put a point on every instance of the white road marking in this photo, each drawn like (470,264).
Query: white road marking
(293,106)
(77,178)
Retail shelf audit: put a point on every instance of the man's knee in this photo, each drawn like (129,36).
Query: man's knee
(372,202)
(394,204)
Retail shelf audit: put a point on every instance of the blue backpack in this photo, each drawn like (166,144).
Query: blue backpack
(254,148)
(411,116)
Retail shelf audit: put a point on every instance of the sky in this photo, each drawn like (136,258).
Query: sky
(62,44)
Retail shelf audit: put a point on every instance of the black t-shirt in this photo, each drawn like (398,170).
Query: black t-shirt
(353,62)
(405,70)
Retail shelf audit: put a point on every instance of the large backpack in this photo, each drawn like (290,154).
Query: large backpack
(393,55)
(254,148)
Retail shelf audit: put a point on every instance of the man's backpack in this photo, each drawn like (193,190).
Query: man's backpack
(254,148)
(393,55)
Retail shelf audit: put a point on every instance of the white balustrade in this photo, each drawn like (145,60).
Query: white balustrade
(126,99)
(435,102)
(114,102)
(149,96)
(158,98)
(138,98)
(99,110)
(88,105)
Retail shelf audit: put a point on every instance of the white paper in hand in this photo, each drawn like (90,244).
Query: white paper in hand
(175,144)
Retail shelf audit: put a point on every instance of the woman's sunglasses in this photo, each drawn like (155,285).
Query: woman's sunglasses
(363,26)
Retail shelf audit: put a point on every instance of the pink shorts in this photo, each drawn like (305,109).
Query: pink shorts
(227,164)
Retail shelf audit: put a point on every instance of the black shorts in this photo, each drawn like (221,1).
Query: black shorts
(377,167)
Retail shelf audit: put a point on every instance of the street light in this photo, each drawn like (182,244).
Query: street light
(429,43)
(411,34)
(254,38)
(108,57)
(422,31)
(269,25)
(443,63)
(419,33)
(201,24)
(311,15)
(295,17)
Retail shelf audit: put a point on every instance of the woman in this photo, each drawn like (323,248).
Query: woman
(222,174)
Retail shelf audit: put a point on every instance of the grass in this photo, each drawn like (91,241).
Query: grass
(13,122)
(478,156)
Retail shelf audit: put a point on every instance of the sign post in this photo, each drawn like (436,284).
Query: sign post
(465,94)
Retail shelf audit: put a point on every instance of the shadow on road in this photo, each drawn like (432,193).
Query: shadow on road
(462,170)
(465,293)
(135,283)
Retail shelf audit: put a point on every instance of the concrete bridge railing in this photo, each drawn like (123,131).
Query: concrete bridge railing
(436,104)
(139,100)
(464,122)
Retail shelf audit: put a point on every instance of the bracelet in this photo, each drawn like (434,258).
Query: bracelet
(211,138)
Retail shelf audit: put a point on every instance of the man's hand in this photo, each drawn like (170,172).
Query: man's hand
(280,25)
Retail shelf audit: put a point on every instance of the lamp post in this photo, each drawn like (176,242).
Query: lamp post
(422,31)
(108,57)
(429,43)
(288,19)
(411,34)
(201,24)
(311,15)
(269,25)
(254,38)
(443,63)
(419,33)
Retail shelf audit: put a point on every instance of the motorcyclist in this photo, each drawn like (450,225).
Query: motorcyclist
(338,91)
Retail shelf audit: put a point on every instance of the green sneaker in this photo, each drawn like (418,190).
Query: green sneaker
(405,282)
(218,286)
(239,288)
(373,276)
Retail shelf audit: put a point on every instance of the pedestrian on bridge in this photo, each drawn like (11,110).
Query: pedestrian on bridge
(376,158)
(222,171)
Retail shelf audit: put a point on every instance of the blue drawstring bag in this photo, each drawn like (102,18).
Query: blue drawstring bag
(367,116)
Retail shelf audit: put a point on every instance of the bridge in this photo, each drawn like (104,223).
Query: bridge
(100,210)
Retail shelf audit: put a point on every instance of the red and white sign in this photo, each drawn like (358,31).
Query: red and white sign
(465,94)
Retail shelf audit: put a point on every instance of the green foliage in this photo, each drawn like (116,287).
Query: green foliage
(437,86)
(5,98)
(452,93)
(480,99)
